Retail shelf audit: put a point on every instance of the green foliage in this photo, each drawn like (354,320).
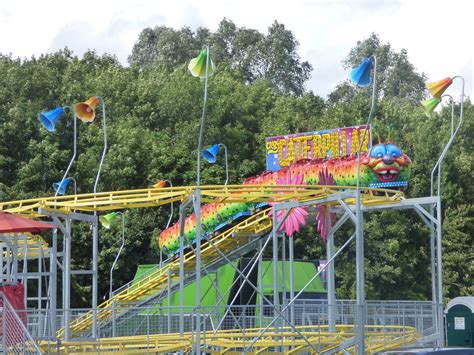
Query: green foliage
(153,110)
(248,54)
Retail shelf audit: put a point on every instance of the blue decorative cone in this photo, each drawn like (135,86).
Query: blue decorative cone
(360,76)
(48,119)
(210,154)
(61,188)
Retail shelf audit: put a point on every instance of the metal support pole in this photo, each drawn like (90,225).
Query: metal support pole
(117,256)
(197,213)
(40,283)
(95,274)
(260,282)
(360,276)
(226,163)
(182,211)
(291,251)
(53,283)
(437,167)
(72,159)
(169,300)
(434,292)
(330,279)
(275,268)
(67,278)
(439,248)
(283,269)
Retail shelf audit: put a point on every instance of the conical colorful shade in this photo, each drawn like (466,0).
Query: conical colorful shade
(85,111)
(160,184)
(48,119)
(61,188)
(210,154)
(197,66)
(107,219)
(360,76)
(429,106)
(439,87)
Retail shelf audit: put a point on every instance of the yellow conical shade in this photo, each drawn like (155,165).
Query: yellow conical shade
(85,111)
(197,66)
(107,219)
(429,106)
(439,87)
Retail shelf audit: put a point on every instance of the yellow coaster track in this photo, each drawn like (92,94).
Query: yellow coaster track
(152,197)
(378,338)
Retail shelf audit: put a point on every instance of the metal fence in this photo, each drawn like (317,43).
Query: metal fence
(15,336)
(311,315)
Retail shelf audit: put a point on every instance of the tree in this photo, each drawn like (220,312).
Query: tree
(396,76)
(247,53)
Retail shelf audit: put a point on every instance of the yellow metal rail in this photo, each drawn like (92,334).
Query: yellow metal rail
(378,338)
(152,197)
(33,246)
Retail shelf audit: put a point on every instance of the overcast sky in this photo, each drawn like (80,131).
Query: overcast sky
(438,35)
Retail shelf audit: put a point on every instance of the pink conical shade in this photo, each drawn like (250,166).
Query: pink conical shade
(429,106)
(439,87)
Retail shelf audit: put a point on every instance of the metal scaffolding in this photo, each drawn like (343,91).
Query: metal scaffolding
(257,234)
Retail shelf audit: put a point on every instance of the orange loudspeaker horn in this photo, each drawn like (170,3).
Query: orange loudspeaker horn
(85,111)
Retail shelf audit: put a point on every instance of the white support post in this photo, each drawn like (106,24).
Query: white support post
(67,279)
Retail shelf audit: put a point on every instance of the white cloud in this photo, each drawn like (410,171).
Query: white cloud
(436,34)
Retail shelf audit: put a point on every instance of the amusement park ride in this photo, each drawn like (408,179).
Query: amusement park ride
(335,173)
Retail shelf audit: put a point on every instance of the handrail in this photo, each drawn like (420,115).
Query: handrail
(153,197)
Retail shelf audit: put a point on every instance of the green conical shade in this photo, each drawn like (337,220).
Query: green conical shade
(429,106)
(197,66)
(107,219)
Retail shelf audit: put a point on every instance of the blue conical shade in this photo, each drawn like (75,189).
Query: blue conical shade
(61,188)
(361,75)
(48,119)
(210,154)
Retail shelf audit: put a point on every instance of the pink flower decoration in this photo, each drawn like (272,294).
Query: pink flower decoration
(325,178)
(297,215)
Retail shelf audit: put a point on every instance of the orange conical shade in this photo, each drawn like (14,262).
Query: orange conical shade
(429,106)
(160,184)
(439,87)
(85,111)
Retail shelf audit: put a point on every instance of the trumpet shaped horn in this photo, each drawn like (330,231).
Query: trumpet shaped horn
(210,154)
(197,66)
(107,219)
(360,75)
(50,118)
(85,111)
(437,88)
(61,186)
(429,106)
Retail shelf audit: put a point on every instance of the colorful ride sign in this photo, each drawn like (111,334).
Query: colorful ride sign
(282,151)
